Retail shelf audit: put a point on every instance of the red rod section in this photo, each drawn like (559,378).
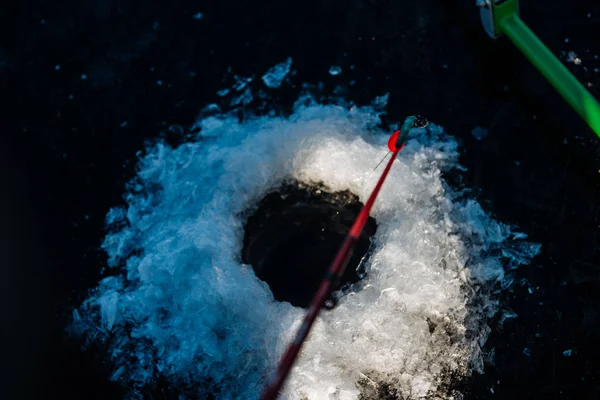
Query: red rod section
(335,271)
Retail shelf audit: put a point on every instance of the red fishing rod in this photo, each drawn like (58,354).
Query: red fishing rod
(338,266)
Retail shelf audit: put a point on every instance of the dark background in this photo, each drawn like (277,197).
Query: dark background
(64,159)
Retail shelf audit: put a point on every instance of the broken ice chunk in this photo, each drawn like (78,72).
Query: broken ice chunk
(507,315)
(335,70)
(117,373)
(276,74)
(244,99)
(380,102)
(241,83)
(479,133)
(572,57)
(108,309)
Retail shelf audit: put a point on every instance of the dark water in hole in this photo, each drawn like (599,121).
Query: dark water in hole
(294,235)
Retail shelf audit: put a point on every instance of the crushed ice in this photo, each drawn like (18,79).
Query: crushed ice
(181,305)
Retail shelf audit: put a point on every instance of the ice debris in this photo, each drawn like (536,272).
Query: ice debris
(276,74)
(182,307)
(479,133)
(335,70)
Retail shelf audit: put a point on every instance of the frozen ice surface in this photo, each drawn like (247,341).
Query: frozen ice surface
(335,70)
(183,306)
(275,76)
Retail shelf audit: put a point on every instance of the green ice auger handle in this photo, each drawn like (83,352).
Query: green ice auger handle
(506,20)
(568,86)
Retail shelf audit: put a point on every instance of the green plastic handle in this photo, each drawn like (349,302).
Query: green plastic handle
(569,87)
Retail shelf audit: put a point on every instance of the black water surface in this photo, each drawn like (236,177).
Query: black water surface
(292,237)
